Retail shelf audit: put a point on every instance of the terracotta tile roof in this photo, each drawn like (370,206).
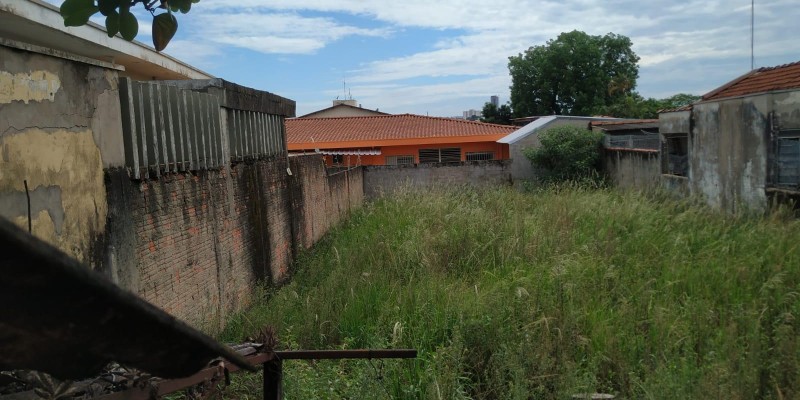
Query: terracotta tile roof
(389,127)
(762,80)
(687,107)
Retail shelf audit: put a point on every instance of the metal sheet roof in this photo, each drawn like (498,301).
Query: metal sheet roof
(60,317)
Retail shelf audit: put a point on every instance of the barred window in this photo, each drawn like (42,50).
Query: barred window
(444,155)
(676,152)
(480,156)
(400,160)
(787,158)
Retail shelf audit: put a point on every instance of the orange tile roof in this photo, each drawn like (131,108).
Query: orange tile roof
(384,129)
(762,80)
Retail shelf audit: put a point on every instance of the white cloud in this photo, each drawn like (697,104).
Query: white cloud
(686,46)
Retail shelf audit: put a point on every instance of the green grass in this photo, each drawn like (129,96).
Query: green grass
(542,295)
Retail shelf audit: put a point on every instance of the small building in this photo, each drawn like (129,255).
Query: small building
(631,152)
(397,139)
(528,137)
(740,144)
(343,108)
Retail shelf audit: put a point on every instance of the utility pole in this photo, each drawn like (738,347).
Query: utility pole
(752,34)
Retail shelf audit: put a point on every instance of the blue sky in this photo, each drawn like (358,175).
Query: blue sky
(442,57)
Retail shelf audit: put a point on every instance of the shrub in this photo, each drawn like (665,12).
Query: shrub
(566,153)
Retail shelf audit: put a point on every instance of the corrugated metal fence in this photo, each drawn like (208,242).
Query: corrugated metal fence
(170,129)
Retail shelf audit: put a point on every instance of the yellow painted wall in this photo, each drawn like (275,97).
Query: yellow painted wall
(59,127)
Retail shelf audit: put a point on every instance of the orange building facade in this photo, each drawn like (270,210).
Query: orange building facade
(397,140)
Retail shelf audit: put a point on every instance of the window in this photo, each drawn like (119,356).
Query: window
(676,154)
(787,158)
(400,160)
(480,156)
(338,159)
(445,155)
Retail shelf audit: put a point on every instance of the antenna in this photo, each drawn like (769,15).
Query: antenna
(752,34)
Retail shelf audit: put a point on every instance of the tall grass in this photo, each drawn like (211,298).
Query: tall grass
(544,295)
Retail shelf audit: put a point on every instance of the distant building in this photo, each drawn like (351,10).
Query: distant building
(397,139)
(472,114)
(495,101)
(343,108)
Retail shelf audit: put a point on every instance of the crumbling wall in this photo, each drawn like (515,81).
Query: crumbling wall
(59,128)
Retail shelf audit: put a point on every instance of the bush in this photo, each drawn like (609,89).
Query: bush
(566,153)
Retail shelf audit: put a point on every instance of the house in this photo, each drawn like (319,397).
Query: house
(528,137)
(739,145)
(343,108)
(397,139)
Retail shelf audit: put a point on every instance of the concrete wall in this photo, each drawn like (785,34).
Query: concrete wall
(521,168)
(59,128)
(196,244)
(632,169)
(728,153)
(379,180)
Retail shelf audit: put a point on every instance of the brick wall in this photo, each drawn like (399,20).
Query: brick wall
(196,245)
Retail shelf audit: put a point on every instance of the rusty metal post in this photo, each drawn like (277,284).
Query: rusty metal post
(273,379)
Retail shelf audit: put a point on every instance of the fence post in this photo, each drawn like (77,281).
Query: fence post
(273,379)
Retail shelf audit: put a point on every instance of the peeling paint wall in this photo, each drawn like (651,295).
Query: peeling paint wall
(59,127)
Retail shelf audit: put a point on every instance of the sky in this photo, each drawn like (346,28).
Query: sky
(442,57)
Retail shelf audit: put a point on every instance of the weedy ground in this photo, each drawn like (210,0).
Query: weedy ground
(544,294)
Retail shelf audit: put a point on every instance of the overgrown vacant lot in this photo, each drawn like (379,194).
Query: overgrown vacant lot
(543,295)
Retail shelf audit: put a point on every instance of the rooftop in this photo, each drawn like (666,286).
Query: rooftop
(383,129)
(342,106)
(762,80)
(626,125)
(40,24)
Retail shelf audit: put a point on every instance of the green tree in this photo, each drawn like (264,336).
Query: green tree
(120,19)
(575,74)
(496,115)
(634,105)
(566,153)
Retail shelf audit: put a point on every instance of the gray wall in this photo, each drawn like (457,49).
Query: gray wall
(632,169)
(380,179)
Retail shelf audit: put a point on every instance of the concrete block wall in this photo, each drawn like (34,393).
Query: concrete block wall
(385,179)
(632,169)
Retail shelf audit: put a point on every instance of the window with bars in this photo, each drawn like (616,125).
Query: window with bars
(787,158)
(444,155)
(400,160)
(480,156)
(676,152)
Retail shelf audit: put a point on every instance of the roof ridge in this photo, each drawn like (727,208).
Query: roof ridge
(405,115)
(791,64)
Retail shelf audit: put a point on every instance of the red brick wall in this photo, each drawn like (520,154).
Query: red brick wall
(203,241)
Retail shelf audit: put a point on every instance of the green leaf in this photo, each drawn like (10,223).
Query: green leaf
(164,28)
(128,25)
(180,5)
(107,7)
(77,12)
(112,23)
